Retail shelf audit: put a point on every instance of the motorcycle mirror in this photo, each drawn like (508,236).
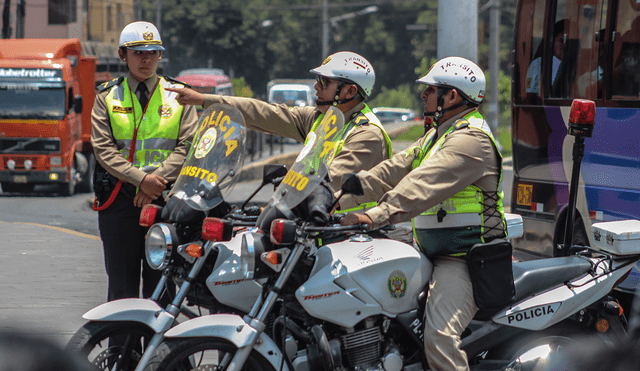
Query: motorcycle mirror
(270,172)
(351,184)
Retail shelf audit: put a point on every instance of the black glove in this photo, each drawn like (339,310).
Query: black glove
(319,204)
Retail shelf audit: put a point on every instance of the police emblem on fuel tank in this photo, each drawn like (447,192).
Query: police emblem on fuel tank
(397,284)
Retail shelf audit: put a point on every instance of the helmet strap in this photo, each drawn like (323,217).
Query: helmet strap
(437,115)
(336,98)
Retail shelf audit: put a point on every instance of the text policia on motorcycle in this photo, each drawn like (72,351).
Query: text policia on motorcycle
(138,135)
(344,80)
(448,182)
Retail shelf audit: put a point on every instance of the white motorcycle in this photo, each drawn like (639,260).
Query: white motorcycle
(357,302)
(183,242)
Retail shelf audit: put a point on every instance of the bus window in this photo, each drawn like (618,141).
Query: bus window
(530,28)
(588,55)
(626,51)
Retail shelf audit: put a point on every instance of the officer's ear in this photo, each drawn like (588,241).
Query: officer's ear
(454,96)
(122,53)
(352,90)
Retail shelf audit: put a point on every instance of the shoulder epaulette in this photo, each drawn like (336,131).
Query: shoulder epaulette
(461,123)
(171,79)
(110,83)
(359,118)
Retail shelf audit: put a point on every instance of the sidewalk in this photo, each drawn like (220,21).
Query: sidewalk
(50,278)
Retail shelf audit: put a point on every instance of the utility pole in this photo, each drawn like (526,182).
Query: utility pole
(458,29)
(493,112)
(159,16)
(325,28)
(6,15)
(20,16)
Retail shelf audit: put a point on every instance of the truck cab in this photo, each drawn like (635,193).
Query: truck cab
(47,89)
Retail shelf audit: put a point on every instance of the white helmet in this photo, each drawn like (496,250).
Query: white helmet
(458,73)
(350,67)
(141,36)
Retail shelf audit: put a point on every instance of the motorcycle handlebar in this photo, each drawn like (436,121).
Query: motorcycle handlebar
(339,228)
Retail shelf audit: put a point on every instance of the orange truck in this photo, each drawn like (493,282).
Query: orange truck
(47,89)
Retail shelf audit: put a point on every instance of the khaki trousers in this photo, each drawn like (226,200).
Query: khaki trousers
(449,310)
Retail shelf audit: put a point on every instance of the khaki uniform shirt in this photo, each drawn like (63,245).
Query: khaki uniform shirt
(467,157)
(364,148)
(108,154)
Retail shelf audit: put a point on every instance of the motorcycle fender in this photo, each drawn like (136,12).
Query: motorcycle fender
(231,328)
(144,311)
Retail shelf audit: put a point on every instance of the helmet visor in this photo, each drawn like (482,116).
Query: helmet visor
(146,47)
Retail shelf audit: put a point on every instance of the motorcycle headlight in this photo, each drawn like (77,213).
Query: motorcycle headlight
(159,245)
(253,245)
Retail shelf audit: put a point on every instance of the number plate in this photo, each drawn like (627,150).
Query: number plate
(19,178)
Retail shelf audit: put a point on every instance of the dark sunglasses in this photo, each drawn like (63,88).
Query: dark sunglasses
(323,81)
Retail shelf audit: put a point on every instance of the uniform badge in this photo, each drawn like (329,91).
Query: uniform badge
(118,109)
(148,35)
(206,143)
(165,110)
(397,284)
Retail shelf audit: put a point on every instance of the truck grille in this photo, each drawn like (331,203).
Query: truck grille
(29,145)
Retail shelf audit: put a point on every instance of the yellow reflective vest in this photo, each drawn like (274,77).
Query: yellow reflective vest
(453,226)
(158,126)
(365,116)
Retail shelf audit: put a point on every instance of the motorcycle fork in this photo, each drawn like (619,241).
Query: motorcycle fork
(173,309)
(258,322)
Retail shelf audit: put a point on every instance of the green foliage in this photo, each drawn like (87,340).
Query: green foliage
(404,96)
(260,40)
(241,89)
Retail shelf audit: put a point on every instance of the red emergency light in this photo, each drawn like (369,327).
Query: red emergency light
(582,117)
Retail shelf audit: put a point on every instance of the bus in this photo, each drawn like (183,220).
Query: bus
(563,50)
(208,84)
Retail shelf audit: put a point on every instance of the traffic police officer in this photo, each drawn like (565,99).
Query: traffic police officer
(449,183)
(344,80)
(138,135)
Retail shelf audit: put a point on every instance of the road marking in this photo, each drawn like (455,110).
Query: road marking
(64,230)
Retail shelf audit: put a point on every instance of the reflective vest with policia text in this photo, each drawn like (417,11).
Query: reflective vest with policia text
(364,116)
(455,225)
(159,125)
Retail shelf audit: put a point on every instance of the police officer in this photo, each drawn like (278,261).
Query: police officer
(344,80)
(138,135)
(448,182)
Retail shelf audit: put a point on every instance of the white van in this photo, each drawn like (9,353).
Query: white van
(292,92)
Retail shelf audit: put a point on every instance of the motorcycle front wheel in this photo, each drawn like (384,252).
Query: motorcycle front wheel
(111,345)
(199,354)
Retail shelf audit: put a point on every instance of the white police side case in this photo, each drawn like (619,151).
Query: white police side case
(619,237)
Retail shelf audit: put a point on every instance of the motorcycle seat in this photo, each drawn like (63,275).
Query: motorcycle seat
(534,276)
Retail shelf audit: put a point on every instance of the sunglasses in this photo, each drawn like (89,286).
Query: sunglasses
(323,81)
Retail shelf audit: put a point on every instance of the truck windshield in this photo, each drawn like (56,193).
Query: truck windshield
(32,101)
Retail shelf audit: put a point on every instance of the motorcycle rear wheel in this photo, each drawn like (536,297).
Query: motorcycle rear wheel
(111,345)
(549,348)
(200,354)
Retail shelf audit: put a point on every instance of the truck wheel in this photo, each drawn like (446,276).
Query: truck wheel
(86,184)
(69,188)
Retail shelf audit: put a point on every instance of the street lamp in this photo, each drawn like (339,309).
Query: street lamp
(334,20)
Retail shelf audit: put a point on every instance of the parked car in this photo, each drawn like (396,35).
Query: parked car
(390,114)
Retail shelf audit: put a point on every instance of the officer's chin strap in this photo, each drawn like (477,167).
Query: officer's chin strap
(335,100)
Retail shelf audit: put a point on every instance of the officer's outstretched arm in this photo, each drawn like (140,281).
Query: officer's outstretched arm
(187,96)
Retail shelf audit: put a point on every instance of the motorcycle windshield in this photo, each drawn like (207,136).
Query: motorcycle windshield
(216,156)
(311,165)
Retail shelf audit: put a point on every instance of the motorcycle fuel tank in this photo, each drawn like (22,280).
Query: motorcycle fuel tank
(361,277)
